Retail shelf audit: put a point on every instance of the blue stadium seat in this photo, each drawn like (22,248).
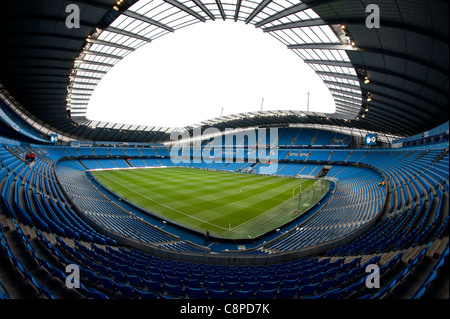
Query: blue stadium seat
(176,281)
(231,285)
(134,280)
(305,281)
(174,290)
(43,290)
(152,285)
(140,272)
(243,294)
(333,294)
(292,283)
(141,294)
(308,289)
(95,294)
(107,283)
(195,293)
(266,294)
(155,276)
(213,277)
(117,275)
(326,285)
(268,285)
(91,276)
(218,294)
(251,285)
(193,283)
(354,287)
(287,292)
(126,290)
(212,285)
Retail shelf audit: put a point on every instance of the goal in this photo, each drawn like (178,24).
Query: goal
(296,191)
(319,185)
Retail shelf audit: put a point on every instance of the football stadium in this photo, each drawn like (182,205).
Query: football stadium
(266,204)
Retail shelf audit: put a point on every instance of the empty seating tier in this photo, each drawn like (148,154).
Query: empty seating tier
(55,213)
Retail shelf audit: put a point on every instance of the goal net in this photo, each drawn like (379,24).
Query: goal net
(319,185)
(296,191)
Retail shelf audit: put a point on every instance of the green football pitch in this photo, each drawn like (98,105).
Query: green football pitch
(227,204)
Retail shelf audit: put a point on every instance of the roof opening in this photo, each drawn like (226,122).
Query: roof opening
(205,71)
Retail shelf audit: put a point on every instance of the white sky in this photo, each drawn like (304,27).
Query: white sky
(187,76)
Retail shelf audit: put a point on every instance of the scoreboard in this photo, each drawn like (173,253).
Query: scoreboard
(54,138)
(371,139)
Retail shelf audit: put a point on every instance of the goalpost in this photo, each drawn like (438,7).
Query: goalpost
(318,186)
(309,194)
(296,191)
(297,194)
(303,197)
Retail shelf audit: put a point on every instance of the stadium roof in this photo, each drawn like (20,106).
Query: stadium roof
(51,70)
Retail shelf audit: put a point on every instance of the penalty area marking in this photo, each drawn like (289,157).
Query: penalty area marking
(171,208)
(246,188)
(266,212)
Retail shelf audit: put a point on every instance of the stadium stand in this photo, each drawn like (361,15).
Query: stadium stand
(410,233)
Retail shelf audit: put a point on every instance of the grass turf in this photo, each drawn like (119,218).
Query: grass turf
(227,204)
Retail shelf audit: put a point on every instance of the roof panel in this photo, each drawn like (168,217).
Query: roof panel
(406,59)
